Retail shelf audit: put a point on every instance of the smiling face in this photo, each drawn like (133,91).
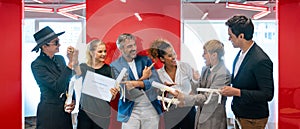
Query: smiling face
(129,49)
(100,53)
(213,52)
(207,58)
(169,58)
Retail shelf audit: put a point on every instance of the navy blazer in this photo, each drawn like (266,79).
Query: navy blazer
(255,80)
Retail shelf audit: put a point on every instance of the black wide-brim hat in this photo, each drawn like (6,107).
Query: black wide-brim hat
(44,36)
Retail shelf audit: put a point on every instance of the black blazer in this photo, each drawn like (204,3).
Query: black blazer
(53,78)
(255,80)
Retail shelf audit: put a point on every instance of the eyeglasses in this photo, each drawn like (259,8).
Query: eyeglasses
(55,43)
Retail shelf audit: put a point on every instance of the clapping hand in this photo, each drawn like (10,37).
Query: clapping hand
(72,55)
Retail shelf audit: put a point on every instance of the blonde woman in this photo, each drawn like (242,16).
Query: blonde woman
(95,113)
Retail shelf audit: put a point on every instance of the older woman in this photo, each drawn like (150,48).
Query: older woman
(210,114)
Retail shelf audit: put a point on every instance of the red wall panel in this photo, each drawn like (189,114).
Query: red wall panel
(107,19)
(10,56)
(289,72)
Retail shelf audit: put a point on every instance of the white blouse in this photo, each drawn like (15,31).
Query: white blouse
(183,77)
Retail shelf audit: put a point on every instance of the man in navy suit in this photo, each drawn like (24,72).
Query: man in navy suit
(252,77)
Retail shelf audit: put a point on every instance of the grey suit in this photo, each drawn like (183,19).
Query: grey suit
(211,115)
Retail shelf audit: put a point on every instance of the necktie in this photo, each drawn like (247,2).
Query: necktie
(207,78)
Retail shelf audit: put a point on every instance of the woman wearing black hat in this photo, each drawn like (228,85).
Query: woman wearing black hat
(53,75)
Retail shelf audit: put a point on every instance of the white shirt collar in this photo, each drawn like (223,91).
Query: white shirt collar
(247,50)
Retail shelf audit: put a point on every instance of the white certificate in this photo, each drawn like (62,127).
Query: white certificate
(162,86)
(70,91)
(98,86)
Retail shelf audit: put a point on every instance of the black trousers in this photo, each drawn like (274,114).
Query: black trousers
(90,121)
(53,116)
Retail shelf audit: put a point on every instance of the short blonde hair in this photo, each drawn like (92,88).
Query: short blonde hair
(212,46)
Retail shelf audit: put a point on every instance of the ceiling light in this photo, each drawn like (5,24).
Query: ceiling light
(66,9)
(72,7)
(38,1)
(264,2)
(246,7)
(137,15)
(260,15)
(38,9)
(204,16)
(79,16)
(69,15)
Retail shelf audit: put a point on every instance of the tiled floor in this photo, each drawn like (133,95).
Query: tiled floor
(30,122)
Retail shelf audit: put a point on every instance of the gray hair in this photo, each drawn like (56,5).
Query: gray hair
(122,38)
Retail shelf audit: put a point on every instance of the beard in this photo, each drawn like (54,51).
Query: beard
(132,53)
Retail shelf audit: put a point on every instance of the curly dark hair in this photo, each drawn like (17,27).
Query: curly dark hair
(158,48)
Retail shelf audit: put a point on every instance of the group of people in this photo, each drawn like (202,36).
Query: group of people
(251,83)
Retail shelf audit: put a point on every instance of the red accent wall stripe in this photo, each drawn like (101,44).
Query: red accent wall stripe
(10,56)
(289,72)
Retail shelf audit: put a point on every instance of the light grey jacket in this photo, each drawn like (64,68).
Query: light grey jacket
(211,115)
